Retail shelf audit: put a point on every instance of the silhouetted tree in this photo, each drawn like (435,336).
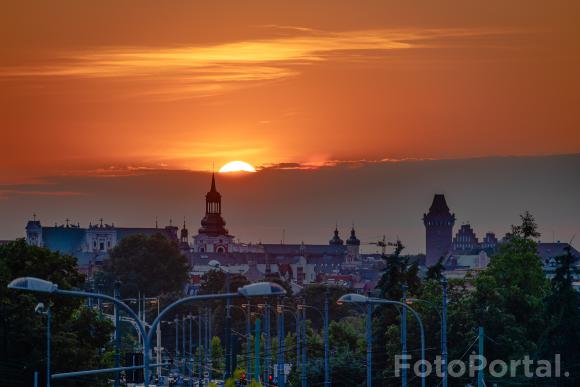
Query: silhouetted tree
(80,336)
(152,265)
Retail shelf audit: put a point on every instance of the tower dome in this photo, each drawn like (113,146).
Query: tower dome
(213,223)
(336,238)
(353,240)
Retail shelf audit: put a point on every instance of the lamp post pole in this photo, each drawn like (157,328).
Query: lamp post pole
(304,378)
(267,344)
(257,350)
(228,333)
(116,294)
(444,332)
(404,337)
(176,322)
(326,359)
(48,333)
(280,331)
(248,343)
(201,355)
(298,340)
(369,329)
(183,353)
(191,358)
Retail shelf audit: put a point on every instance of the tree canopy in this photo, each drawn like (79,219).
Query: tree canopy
(79,335)
(152,265)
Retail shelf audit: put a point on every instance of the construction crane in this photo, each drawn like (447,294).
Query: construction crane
(382,243)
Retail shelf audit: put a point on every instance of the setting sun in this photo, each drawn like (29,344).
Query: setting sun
(237,166)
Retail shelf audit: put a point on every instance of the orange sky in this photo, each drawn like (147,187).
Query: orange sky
(86,86)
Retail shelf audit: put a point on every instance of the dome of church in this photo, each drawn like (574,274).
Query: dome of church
(353,240)
(336,239)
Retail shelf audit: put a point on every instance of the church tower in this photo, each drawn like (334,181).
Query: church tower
(212,236)
(438,223)
(353,246)
(336,241)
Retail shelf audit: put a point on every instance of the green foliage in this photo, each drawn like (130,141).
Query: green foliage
(152,265)
(508,300)
(79,336)
(562,306)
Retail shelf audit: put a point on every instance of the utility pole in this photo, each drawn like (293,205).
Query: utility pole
(404,337)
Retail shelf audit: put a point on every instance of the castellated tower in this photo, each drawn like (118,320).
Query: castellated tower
(439,230)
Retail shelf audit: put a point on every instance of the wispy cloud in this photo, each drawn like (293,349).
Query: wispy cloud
(4,193)
(192,71)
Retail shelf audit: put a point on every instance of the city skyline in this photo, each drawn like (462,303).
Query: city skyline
(305,205)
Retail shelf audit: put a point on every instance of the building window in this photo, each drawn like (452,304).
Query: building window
(101,246)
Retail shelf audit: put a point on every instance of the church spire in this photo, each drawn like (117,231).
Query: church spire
(213,189)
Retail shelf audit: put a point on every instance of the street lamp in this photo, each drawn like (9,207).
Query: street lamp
(32,284)
(41,309)
(359,298)
(442,313)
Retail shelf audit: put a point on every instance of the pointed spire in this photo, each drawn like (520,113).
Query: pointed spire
(213,189)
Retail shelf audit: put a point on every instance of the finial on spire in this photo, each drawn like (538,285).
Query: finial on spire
(156,225)
(34,216)
(101,220)
(184,222)
(67,220)
(170,222)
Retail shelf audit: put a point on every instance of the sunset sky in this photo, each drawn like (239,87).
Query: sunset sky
(105,89)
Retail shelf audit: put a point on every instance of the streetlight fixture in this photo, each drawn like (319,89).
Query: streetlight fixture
(32,284)
(359,298)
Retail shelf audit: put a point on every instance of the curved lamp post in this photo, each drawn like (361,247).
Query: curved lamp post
(360,299)
(32,284)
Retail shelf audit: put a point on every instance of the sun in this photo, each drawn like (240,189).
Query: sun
(237,166)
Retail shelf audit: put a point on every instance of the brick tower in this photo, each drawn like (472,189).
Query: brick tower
(439,229)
